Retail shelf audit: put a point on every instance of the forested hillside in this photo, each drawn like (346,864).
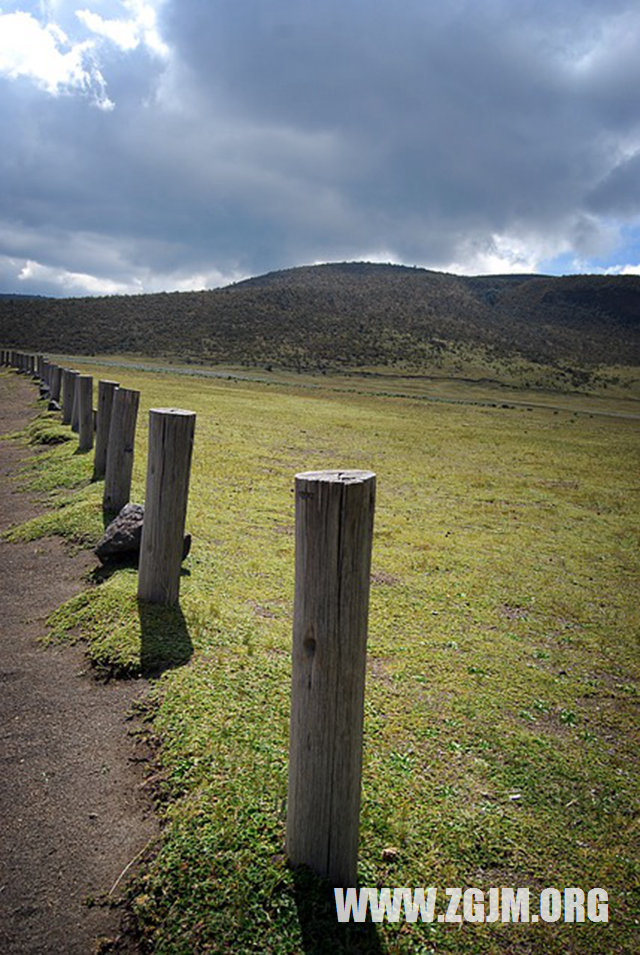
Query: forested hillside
(348,315)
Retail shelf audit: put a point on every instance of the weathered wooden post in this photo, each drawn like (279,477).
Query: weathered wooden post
(68,391)
(122,433)
(55,379)
(334,529)
(75,406)
(84,389)
(106,391)
(165,508)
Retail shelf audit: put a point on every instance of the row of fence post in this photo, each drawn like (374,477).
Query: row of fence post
(334,529)
(171,433)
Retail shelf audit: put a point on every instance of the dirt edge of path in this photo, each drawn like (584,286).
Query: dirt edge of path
(74,799)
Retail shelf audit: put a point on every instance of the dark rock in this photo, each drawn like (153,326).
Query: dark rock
(122,537)
(53,406)
(44,391)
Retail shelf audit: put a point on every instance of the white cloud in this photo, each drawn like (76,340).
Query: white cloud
(55,280)
(124,33)
(140,28)
(499,255)
(70,283)
(46,56)
(621,270)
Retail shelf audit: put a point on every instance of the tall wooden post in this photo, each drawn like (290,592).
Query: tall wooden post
(84,390)
(75,405)
(168,467)
(55,378)
(68,391)
(122,433)
(334,528)
(106,391)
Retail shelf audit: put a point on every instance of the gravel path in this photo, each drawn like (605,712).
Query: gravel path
(73,809)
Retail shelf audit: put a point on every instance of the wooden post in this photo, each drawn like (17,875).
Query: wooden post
(334,529)
(75,405)
(122,433)
(168,466)
(55,378)
(68,391)
(84,390)
(106,391)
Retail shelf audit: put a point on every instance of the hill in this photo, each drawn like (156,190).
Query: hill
(350,315)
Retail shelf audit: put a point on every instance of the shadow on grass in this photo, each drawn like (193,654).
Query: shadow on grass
(108,566)
(164,638)
(321,931)
(120,562)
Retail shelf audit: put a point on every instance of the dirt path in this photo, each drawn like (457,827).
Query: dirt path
(72,808)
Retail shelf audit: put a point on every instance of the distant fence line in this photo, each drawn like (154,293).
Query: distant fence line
(334,528)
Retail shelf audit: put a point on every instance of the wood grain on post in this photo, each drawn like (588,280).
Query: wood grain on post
(55,378)
(334,529)
(122,433)
(106,391)
(68,391)
(84,390)
(75,406)
(171,433)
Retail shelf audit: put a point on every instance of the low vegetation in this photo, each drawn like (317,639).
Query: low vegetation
(501,699)
(538,330)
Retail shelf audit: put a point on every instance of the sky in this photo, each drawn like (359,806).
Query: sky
(159,145)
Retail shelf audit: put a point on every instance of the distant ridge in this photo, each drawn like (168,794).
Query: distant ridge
(349,315)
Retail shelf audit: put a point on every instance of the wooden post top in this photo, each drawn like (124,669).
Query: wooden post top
(175,411)
(337,477)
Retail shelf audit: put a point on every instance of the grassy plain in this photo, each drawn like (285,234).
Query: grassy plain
(501,743)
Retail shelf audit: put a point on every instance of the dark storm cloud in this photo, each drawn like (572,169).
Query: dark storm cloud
(477,135)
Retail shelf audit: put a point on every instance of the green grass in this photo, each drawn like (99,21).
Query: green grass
(501,701)
(61,476)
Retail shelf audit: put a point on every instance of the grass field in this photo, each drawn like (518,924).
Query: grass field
(501,713)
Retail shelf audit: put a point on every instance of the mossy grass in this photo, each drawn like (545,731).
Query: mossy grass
(501,701)
(61,476)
